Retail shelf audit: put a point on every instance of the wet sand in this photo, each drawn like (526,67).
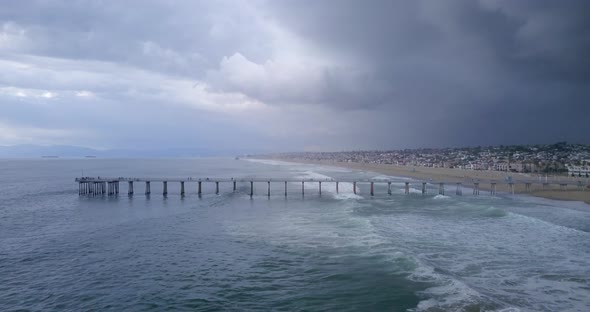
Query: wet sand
(572,192)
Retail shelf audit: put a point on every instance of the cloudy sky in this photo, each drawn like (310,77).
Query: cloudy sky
(294,75)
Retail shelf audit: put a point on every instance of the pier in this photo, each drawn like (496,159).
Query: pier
(95,186)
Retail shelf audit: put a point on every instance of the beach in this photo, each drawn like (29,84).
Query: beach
(452,175)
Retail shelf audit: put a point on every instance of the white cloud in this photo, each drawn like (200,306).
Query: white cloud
(13,37)
(91,78)
(48,95)
(27,93)
(84,93)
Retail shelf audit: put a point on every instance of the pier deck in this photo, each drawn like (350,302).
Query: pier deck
(110,185)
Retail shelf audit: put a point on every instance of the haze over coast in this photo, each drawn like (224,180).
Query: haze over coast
(560,162)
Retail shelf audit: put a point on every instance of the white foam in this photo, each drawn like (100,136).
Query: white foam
(412,190)
(388,177)
(345,189)
(270,162)
(439,196)
(449,294)
(346,196)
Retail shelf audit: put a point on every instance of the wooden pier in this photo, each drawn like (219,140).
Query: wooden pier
(95,186)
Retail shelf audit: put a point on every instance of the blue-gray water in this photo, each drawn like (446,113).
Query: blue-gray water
(59,251)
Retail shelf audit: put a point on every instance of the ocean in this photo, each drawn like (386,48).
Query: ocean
(334,252)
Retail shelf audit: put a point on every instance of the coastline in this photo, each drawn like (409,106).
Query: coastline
(461,175)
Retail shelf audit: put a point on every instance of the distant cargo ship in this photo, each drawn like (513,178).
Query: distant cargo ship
(49,156)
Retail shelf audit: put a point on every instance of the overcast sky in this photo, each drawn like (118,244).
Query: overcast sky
(294,75)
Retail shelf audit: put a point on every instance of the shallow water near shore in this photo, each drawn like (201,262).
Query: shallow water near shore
(59,251)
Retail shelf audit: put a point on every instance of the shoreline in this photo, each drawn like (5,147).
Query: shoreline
(462,175)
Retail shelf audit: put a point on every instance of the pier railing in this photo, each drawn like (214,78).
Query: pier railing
(94,186)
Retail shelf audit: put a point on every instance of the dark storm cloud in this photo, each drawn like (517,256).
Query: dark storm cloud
(507,71)
(318,74)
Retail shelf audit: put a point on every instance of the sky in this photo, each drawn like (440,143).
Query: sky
(301,75)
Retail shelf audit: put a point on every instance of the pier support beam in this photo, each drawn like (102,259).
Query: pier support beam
(337,187)
(441,189)
(476,188)
(389,188)
(407,188)
(182,188)
(320,186)
(130,188)
(217,187)
(511,185)
(423,188)
(199,189)
(493,189)
(285,188)
(372,188)
(235,187)
(459,189)
(354,187)
(268,189)
(251,189)
(165,188)
(302,188)
(148,190)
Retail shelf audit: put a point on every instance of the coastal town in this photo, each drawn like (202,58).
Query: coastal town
(559,158)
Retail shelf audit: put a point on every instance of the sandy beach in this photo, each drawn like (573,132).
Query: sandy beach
(573,191)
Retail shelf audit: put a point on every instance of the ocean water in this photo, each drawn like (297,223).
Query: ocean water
(334,252)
